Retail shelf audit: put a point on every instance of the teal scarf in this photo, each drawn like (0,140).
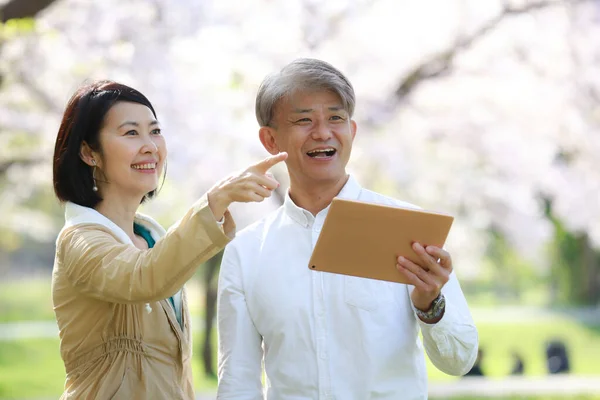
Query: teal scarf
(145,233)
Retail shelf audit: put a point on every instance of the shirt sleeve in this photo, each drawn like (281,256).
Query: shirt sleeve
(100,266)
(451,343)
(240,344)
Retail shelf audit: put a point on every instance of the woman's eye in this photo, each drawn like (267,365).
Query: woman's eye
(156,132)
(130,133)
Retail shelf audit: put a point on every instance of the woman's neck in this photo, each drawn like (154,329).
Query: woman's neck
(122,213)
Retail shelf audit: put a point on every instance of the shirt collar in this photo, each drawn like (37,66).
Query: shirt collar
(350,191)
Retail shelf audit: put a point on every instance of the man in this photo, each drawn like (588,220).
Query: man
(321,335)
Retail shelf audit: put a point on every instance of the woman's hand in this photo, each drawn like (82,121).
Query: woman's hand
(252,184)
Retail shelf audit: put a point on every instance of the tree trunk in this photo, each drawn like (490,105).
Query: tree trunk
(210,301)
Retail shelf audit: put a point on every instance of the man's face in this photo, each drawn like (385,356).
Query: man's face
(317,133)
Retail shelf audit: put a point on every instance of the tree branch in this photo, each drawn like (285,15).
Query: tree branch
(5,165)
(441,64)
(22,9)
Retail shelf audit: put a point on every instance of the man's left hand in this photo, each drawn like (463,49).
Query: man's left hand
(428,276)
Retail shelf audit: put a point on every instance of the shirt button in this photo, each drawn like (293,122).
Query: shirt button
(323,355)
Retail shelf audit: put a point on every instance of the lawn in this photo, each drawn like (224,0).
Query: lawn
(25,300)
(31,368)
(530,398)
(31,300)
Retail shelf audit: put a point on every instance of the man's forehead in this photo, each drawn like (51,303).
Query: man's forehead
(302,101)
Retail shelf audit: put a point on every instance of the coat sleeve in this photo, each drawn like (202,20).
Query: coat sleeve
(100,266)
(452,342)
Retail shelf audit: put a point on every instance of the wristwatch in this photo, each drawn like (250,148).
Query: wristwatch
(438,305)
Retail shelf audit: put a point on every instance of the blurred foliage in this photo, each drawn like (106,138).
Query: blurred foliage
(464,120)
(15,27)
(575,266)
(510,272)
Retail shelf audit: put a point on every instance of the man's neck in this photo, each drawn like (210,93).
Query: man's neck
(122,213)
(315,198)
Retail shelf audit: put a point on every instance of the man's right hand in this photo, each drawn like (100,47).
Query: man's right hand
(252,184)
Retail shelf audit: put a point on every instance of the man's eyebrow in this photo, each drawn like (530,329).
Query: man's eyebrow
(307,110)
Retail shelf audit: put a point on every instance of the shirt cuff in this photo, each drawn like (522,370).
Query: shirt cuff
(448,318)
(220,234)
(439,330)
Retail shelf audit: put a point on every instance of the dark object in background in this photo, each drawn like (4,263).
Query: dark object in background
(518,366)
(557,358)
(476,370)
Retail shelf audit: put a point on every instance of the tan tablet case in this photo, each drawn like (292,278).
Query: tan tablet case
(365,239)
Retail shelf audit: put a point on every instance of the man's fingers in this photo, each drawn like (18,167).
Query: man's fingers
(440,254)
(263,166)
(417,270)
(428,261)
(411,277)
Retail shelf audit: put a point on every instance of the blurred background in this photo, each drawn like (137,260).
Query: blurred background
(485,109)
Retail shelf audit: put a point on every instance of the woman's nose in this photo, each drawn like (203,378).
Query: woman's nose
(150,146)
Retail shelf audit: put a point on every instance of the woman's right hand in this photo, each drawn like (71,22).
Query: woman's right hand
(252,184)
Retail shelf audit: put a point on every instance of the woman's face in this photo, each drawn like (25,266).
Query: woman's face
(133,152)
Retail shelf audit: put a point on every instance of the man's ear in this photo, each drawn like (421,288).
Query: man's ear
(88,155)
(353,128)
(267,138)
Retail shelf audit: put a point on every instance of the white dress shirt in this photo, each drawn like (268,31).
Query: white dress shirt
(323,335)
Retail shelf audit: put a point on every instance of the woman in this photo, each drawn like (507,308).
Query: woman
(118,277)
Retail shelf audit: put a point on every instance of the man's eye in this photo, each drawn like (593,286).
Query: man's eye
(337,118)
(303,120)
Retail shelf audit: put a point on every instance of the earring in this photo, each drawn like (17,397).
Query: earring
(95,187)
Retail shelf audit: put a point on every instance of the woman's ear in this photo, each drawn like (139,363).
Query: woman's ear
(88,155)
(267,138)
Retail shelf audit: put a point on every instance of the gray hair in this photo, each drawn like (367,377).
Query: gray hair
(299,75)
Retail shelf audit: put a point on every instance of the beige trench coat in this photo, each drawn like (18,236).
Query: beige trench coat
(119,337)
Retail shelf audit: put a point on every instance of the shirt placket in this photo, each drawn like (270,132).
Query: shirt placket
(321,325)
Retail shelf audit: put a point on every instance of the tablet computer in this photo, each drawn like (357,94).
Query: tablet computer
(365,239)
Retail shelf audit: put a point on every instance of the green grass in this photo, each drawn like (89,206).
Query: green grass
(33,368)
(528,339)
(26,300)
(30,368)
(584,397)
(31,300)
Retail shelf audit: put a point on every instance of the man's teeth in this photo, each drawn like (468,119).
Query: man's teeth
(321,152)
(144,166)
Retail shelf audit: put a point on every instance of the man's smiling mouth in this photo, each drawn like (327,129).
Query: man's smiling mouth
(322,153)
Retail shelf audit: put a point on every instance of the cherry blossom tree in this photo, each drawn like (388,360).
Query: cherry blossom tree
(487,110)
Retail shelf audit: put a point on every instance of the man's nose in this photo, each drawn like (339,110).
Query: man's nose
(321,131)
